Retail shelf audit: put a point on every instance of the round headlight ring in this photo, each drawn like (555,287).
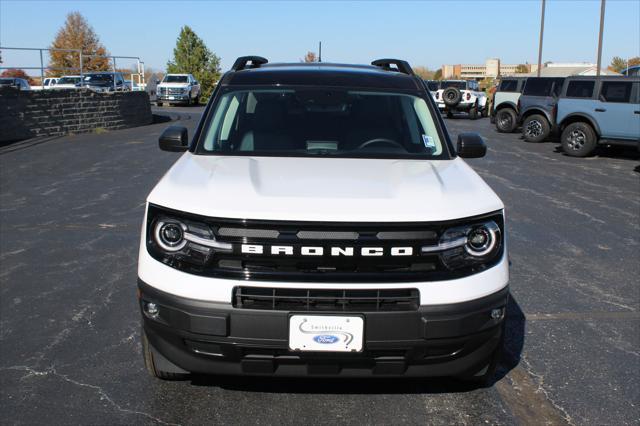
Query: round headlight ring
(482,239)
(169,235)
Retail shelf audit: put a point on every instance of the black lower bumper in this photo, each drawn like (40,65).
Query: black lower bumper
(216,338)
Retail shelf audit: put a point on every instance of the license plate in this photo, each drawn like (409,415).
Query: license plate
(171,98)
(326,333)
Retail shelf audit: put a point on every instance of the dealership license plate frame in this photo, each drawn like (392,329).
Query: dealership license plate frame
(321,329)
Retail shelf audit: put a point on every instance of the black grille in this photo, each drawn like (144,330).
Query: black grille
(335,251)
(328,300)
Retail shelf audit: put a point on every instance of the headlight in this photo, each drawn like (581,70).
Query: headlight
(172,239)
(469,245)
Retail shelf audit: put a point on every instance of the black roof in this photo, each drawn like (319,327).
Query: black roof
(323,74)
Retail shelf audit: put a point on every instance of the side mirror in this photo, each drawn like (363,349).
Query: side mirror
(174,139)
(471,145)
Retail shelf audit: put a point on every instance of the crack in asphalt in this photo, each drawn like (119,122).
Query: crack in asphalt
(101,392)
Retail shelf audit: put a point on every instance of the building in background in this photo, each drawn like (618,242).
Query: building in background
(566,69)
(493,68)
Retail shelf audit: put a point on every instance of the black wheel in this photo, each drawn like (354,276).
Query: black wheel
(473,112)
(451,96)
(150,364)
(159,104)
(189,100)
(535,128)
(196,101)
(506,120)
(485,110)
(449,114)
(579,140)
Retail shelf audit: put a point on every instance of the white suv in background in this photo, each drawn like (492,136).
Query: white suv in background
(461,95)
(178,88)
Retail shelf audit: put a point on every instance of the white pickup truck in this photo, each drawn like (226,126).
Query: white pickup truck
(178,88)
(49,83)
(461,95)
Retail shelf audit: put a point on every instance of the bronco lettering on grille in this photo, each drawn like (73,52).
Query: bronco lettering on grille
(282,250)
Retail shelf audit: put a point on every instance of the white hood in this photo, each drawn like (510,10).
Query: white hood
(324,189)
(180,85)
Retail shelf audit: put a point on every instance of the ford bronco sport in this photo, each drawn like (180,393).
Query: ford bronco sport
(599,111)
(321,222)
(461,95)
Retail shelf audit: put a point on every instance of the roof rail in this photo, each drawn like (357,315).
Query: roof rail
(400,65)
(242,61)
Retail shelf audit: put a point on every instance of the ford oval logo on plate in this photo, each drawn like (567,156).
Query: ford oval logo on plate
(326,339)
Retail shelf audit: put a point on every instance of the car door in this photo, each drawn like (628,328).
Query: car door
(614,110)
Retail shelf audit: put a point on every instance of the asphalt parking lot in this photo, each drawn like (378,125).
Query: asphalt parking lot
(70,216)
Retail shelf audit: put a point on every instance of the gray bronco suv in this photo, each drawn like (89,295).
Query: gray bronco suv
(596,111)
(537,106)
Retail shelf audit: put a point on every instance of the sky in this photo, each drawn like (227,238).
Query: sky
(426,33)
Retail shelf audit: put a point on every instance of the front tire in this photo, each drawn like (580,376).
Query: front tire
(535,128)
(579,140)
(506,120)
(150,364)
(159,104)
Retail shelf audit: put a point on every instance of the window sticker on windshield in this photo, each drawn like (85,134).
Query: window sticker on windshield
(428,141)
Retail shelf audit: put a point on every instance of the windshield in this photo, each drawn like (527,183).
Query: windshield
(322,122)
(457,84)
(176,79)
(68,80)
(98,78)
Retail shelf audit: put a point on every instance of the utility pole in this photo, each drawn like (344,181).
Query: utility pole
(602,4)
(541,35)
(319,51)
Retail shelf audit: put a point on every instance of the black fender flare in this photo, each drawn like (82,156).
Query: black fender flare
(536,109)
(586,117)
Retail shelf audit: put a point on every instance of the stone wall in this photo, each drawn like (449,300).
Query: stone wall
(26,114)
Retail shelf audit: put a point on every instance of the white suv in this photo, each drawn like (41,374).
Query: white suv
(321,222)
(461,95)
(178,88)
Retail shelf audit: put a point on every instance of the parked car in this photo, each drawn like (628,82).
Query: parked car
(321,222)
(68,82)
(461,95)
(178,88)
(537,107)
(18,83)
(599,111)
(632,71)
(504,108)
(432,86)
(48,83)
(104,82)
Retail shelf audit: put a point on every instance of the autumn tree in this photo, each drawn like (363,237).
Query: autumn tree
(618,63)
(191,56)
(438,74)
(17,73)
(77,34)
(522,69)
(423,72)
(310,57)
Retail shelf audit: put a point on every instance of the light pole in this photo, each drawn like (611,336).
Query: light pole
(541,35)
(602,4)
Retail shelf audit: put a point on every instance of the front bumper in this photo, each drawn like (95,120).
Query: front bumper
(216,338)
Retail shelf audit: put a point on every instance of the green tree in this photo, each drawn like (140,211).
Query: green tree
(438,74)
(77,34)
(191,56)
